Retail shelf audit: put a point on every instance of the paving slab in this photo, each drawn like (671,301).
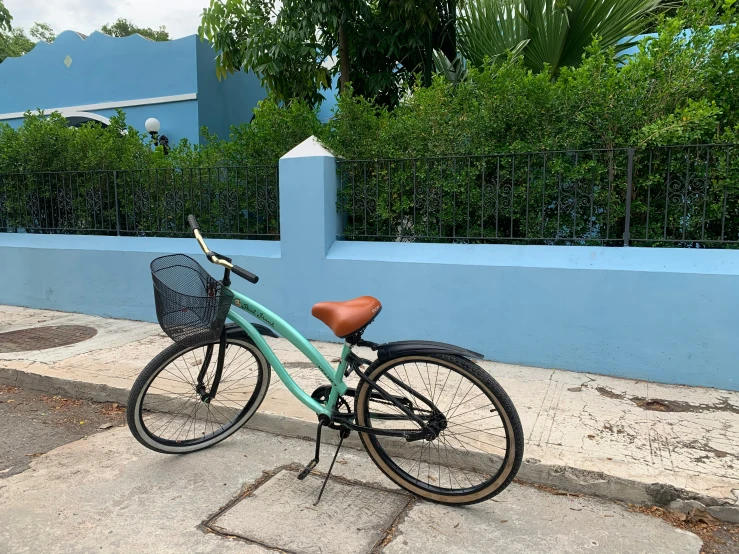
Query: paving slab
(107,493)
(366,512)
(527,525)
(624,439)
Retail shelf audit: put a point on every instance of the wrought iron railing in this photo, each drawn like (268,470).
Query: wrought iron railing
(228,201)
(669,196)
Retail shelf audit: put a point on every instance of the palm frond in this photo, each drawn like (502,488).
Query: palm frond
(489,29)
(454,71)
(556,32)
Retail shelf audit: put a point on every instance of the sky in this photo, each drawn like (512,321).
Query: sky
(181,17)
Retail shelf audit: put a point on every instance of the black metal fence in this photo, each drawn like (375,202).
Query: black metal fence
(228,201)
(684,196)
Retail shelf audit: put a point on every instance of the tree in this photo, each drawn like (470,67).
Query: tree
(429,25)
(42,31)
(5,18)
(551,33)
(124,28)
(288,57)
(381,44)
(14,42)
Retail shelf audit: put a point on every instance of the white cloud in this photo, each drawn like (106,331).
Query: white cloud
(181,17)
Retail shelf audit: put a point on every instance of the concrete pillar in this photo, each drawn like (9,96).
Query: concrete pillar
(309,224)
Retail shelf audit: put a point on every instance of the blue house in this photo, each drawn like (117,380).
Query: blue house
(88,78)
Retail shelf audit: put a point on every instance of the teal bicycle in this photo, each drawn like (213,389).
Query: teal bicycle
(431,419)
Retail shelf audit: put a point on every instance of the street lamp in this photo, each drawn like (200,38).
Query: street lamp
(152,127)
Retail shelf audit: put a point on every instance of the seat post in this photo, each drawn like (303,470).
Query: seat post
(355,339)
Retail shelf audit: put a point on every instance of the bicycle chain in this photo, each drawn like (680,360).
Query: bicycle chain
(387,403)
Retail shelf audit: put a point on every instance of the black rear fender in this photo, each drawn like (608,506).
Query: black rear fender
(404,348)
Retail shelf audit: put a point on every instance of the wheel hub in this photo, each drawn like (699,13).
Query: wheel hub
(204,395)
(436,424)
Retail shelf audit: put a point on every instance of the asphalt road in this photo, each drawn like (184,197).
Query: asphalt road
(32,423)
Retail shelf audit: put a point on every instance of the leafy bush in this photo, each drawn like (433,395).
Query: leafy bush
(44,143)
(681,87)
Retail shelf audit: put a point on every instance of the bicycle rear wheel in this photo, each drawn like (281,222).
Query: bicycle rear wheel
(168,409)
(479,444)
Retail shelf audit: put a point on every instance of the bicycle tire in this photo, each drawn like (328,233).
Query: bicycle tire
(135,407)
(397,469)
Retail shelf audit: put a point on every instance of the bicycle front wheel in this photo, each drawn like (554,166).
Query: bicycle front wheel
(477,445)
(169,410)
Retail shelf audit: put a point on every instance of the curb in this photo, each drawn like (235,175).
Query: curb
(563,478)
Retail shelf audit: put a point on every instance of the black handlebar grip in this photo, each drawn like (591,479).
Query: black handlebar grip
(244,274)
(193,222)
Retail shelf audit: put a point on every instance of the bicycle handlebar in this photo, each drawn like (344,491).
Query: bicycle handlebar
(217,258)
(244,274)
(193,223)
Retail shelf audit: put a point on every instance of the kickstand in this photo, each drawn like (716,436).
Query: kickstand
(314,462)
(328,474)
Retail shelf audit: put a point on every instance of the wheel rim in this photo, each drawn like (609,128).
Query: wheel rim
(177,415)
(476,432)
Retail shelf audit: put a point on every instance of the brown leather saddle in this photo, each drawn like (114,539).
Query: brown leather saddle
(346,318)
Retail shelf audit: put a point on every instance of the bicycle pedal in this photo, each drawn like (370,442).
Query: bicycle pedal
(307,469)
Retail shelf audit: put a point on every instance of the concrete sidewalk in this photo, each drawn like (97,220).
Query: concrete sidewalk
(107,493)
(627,440)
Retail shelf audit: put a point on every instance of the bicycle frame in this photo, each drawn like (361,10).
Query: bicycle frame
(335,376)
(325,401)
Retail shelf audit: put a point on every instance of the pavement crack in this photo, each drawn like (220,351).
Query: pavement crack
(392,531)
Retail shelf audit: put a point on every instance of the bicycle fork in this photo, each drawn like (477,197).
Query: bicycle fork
(208,396)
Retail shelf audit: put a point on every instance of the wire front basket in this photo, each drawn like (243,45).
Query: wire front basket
(191,305)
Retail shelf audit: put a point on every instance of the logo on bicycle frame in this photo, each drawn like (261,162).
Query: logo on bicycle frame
(255,313)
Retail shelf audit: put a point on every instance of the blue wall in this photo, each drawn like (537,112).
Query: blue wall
(666,315)
(49,271)
(227,102)
(179,119)
(103,69)
(107,69)
(686,34)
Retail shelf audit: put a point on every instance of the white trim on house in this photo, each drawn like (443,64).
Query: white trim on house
(111,105)
(86,115)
